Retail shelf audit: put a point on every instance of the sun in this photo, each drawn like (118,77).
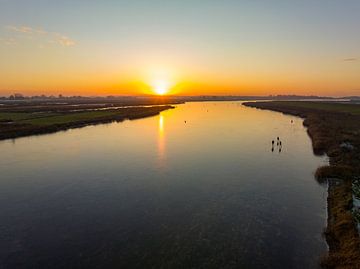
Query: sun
(161,87)
(160,91)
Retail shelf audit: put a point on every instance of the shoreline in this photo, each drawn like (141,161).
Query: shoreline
(328,128)
(11,129)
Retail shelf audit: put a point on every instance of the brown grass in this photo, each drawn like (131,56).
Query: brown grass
(334,171)
(340,234)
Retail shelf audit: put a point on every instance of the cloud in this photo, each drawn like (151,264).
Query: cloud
(64,40)
(21,29)
(8,41)
(350,59)
(42,36)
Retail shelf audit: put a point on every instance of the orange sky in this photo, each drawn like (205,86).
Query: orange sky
(188,48)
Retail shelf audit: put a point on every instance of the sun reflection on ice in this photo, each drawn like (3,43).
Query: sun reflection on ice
(161,142)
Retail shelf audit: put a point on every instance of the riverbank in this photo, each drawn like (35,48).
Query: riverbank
(334,129)
(15,124)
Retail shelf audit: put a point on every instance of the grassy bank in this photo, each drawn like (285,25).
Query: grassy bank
(334,129)
(18,124)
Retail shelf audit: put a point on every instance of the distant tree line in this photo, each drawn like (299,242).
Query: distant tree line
(19,96)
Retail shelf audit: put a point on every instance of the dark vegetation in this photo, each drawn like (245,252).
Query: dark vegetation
(80,104)
(323,173)
(18,120)
(335,130)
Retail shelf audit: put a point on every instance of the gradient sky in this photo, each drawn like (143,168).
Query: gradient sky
(225,47)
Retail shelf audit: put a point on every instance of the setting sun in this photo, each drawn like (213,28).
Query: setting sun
(161,87)
(160,91)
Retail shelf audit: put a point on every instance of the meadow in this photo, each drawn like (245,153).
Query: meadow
(17,124)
